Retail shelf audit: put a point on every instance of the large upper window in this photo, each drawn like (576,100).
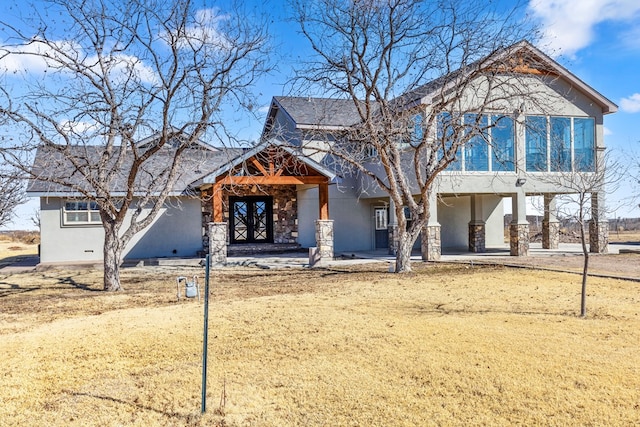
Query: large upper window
(584,144)
(536,143)
(502,136)
(79,212)
(445,131)
(489,148)
(560,144)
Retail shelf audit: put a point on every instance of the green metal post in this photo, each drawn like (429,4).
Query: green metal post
(206,335)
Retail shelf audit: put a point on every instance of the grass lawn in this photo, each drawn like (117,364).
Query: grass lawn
(352,346)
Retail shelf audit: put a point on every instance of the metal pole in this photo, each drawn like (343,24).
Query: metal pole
(206,335)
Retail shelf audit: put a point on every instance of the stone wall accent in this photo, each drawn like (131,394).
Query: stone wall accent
(430,243)
(550,234)
(598,237)
(218,243)
(394,238)
(477,237)
(519,239)
(324,240)
(207,216)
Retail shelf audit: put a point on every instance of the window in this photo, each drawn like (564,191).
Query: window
(444,134)
(536,143)
(584,144)
(476,150)
(560,144)
(79,212)
(566,144)
(502,144)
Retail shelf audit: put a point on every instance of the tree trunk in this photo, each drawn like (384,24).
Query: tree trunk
(403,256)
(585,271)
(112,253)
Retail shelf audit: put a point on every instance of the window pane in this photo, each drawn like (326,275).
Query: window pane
(417,132)
(502,143)
(536,143)
(476,149)
(71,206)
(560,144)
(584,144)
(75,216)
(95,216)
(444,134)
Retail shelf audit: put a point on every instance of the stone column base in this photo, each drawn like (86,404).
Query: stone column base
(519,239)
(477,237)
(218,243)
(598,237)
(430,243)
(394,239)
(324,241)
(550,234)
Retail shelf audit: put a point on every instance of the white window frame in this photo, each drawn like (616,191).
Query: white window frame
(93,214)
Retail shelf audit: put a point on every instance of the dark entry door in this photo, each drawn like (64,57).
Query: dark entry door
(250,219)
(381,217)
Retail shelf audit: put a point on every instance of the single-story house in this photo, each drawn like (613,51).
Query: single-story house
(279,195)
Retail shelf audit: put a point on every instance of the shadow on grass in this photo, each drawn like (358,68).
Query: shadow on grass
(187,418)
(7,289)
(72,282)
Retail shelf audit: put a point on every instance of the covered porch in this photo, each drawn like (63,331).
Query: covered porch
(250,205)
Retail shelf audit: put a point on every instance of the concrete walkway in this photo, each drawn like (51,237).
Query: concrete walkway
(300,259)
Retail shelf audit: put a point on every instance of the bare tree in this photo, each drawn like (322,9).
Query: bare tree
(583,203)
(11,196)
(157,71)
(420,77)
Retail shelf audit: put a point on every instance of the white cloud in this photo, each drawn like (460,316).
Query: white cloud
(630,104)
(606,131)
(568,25)
(39,56)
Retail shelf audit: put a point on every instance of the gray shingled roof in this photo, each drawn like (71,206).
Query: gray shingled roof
(306,111)
(195,164)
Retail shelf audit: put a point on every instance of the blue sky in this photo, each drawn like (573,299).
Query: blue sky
(597,40)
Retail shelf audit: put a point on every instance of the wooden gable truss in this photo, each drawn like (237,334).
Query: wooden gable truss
(272,166)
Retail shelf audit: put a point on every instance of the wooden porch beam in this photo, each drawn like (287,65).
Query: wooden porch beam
(272,180)
(261,168)
(323,200)
(217,202)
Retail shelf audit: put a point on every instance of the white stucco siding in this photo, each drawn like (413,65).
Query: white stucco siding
(176,231)
(66,244)
(352,222)
(177,228)
(494,220)
(454,214)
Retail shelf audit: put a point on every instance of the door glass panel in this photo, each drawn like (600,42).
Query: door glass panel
(240,221)
(260,221)
(381,218)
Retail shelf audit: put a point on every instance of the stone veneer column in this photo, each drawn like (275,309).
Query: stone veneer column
(477,226)
(550,224)
(324,240)
(477,232)
(218,243)
(430,243)
(598,236)
(598,226)
(519,227)
(550,234)
(394,238)
(519,239)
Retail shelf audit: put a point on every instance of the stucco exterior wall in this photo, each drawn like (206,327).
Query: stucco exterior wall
(175,232)
(352,218)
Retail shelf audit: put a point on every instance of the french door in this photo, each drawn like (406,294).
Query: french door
(251,219)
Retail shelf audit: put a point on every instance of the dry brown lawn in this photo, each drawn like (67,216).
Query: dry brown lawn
(352,346)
